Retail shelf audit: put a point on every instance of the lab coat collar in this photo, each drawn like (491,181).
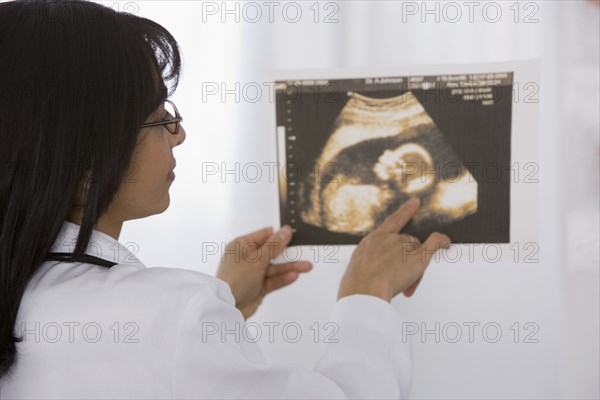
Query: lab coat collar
(100,245)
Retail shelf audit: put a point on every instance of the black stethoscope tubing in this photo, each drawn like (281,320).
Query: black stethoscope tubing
(84,258)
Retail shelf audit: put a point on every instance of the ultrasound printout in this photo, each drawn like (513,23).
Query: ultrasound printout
(353,150)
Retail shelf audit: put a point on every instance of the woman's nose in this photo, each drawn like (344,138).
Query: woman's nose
(180,137)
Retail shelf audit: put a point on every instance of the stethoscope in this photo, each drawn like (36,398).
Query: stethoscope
(84,258)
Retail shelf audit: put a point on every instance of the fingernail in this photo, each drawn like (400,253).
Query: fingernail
(285,232)
(414,201)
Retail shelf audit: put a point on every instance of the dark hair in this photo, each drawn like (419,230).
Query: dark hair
(76,81)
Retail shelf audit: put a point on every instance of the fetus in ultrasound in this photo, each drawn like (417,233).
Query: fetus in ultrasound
(380,153)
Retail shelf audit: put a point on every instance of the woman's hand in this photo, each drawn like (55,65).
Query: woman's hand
(246,267)
(386,262)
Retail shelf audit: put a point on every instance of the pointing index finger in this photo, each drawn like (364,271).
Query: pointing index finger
(394,222)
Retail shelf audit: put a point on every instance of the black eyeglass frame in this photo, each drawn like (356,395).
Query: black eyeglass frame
(177,120)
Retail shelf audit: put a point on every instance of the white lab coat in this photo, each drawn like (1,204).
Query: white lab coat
(135,332)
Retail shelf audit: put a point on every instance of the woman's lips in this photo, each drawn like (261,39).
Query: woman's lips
(171,175)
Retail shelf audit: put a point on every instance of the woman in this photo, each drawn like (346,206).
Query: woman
(87,137)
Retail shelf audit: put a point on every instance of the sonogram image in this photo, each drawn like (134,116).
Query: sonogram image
(366,146)
(384,151)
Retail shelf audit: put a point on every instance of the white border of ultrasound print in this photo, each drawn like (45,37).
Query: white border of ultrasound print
(524,198)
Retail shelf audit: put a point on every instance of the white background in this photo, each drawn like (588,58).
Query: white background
(558,294)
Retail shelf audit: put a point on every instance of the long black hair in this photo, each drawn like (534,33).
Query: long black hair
(76,80)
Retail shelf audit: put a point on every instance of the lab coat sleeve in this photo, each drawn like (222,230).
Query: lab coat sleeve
(369,360)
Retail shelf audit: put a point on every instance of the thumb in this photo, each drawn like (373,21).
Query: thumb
(434,242)
(247,245)
(275,244)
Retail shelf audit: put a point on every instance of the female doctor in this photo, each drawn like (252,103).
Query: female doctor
(86,142)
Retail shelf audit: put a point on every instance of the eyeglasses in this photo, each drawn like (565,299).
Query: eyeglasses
(171,122)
